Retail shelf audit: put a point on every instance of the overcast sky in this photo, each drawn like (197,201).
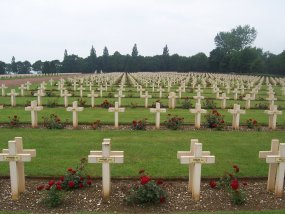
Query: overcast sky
(42,29)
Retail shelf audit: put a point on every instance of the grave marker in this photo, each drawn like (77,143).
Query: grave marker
(116,109)
(236,111)
(197,111)
(157,110)
(34,108)
(75,109)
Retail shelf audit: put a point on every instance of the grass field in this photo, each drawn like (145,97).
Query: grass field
(154,151)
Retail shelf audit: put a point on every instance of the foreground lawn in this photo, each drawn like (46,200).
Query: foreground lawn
(154,151)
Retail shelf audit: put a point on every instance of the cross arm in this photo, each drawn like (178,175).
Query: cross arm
(202,160)
(275,159)
(110,159)
(18,157)
(32,152)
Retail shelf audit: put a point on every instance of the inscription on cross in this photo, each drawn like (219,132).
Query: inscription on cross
(106,156)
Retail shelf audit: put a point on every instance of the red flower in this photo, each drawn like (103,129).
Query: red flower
(73,171)
(58,183)
(71,184)
(88,177)
(51,182)
(236,170)
(61,178)
(213,184)
(89,182)
(58,187)
(159,182)
(41,187)
(214,125)
(70,169)
(145,179)
(234,184)
(222,121)
(81,178)
(254,122)
(81,185)
(141,171)
(162,200)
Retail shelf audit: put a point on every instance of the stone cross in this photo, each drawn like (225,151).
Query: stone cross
(146,96)
(271,99)
(283,90)
(3,87)
(198,97)
(195,158)
(22,88)
(65,94)
(247,99)
(157,110)
(228,87)
(116,109)
(13,95)
(40,94)
(217,91)
(223,99)
(273,112)
(242,89)
(74,85)
(236,92)
(179,90)
(28,84)
(197,111)
(34,108)
(101,90)
(140,89)
(61,88)
(160,90)
(172,96)
(16,156)
(236,111)
(75,109)
(271,180)
(51,81)
(278,159)
(106,156)
(81,90)
(119,95)
(92,95)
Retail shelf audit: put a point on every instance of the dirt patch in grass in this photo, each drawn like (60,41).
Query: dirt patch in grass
(179,200)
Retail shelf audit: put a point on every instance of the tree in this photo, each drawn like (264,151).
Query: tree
(237,39)
(46,67)
(105,52)
(165,51)
(38,66)
(14,65)
(65,54)
(135,51)
(2,67)
(91,61)
(105,60)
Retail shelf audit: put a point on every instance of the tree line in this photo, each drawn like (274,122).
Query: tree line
(233,53)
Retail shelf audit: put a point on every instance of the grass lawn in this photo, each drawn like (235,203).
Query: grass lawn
(154,151)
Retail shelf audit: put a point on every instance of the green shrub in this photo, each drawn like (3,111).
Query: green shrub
(53,122)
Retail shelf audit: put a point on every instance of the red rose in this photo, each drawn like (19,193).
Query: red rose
(213,184)
(236,170)
(89,182)
(222,121)
(145,179)
(70,169)
(214,125)
(58,183)
(254,122)
(234,184)
(159,182)
(62,178)
(51,182)
(81,178)
(162,200)
(71,184)
(41,187)
(73,171)
(81,185)
(58,187)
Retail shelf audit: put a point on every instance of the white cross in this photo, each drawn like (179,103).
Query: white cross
(141,90)
(28,84)
(271,99)
(22,88)
(197,111)
(283,90)
(116,109)
(273,112)
(92,95)
(39,94)
(3,87)
(198,97)
(65,95)
(51,81)
(247,99)
(74,85)
(179,90)
(228,87)
(160,91)
(34,112)
(195,158)
(271,180)
(101,90)
(146,96)
(75,109)
(106,156)
(217,91)
(223,99)
(119,95)
(81,90)
(16,156)
(13,95)
(279,159)
(236,92)
(61,88)
(172,96)
(236,111)
(157,110)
